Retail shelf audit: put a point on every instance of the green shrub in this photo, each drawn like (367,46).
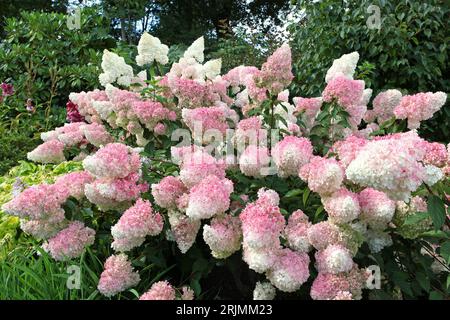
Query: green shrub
(409,51)
(45,60)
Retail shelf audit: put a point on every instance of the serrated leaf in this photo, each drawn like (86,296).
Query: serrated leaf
(293,193)
(436,209)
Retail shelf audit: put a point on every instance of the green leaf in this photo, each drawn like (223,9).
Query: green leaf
(423,280)
(134,292)
(436,209)
(306,196)
(416,218)
(293,193)
(435,295)
(445,251)
(448,282)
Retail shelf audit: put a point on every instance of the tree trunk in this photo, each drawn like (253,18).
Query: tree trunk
(122,30)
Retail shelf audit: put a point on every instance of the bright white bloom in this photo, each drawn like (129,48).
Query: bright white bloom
(103,108)
(196,50)
(334,259)
(151,49)
(211,69)
(378,240)
(115,70)
(344,66)
(432,175)
(264,291)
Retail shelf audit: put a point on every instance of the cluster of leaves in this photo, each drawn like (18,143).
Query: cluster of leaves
(409,51)
(45,60)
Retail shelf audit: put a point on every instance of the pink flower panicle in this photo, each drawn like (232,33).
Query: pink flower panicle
(346,91)
(342,206)
(75,182)
(290,154)
(323,175)
(419,107)
(49,152)
(134,225)
(70,242)
(161,290)
(209,198)
(223,235)
(117,276)
(167,191)
(296,230)
(115,160)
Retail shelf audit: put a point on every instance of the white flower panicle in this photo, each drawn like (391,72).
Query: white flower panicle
(151,49)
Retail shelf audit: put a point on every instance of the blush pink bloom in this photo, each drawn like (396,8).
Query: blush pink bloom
(160,129)
(96,134)
(49,152)
(134,225)
(254,160)
(115,160)
(323,175)
(70,242)
(419,107)
(249,132)
(290,154)
(167,191)
(322,234)
(308,108)
(223,236)
(391,165)
(290,270)
(267,197)
(377,210)
(75,183)
(161,290)
(383,106)
(150,113)
(197,165)
(187,293)
(260,259)
(334,259)
(192,94)
(261,225)
(236,77)
(199,120)
(347,149)
(276,72)
(328,286)
(43,229)
(209,198)
(342,206)
(345,91)
(38,202)
(183,229)
(115,194)
(117,276)
(435,154)
(296,232)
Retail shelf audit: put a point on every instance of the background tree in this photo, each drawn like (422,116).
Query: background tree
(13,8)
(409,52)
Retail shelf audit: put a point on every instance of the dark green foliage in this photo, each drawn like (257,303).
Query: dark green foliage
(45,60)
(409,51)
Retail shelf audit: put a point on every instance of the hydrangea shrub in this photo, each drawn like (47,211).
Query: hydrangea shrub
(310,193)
